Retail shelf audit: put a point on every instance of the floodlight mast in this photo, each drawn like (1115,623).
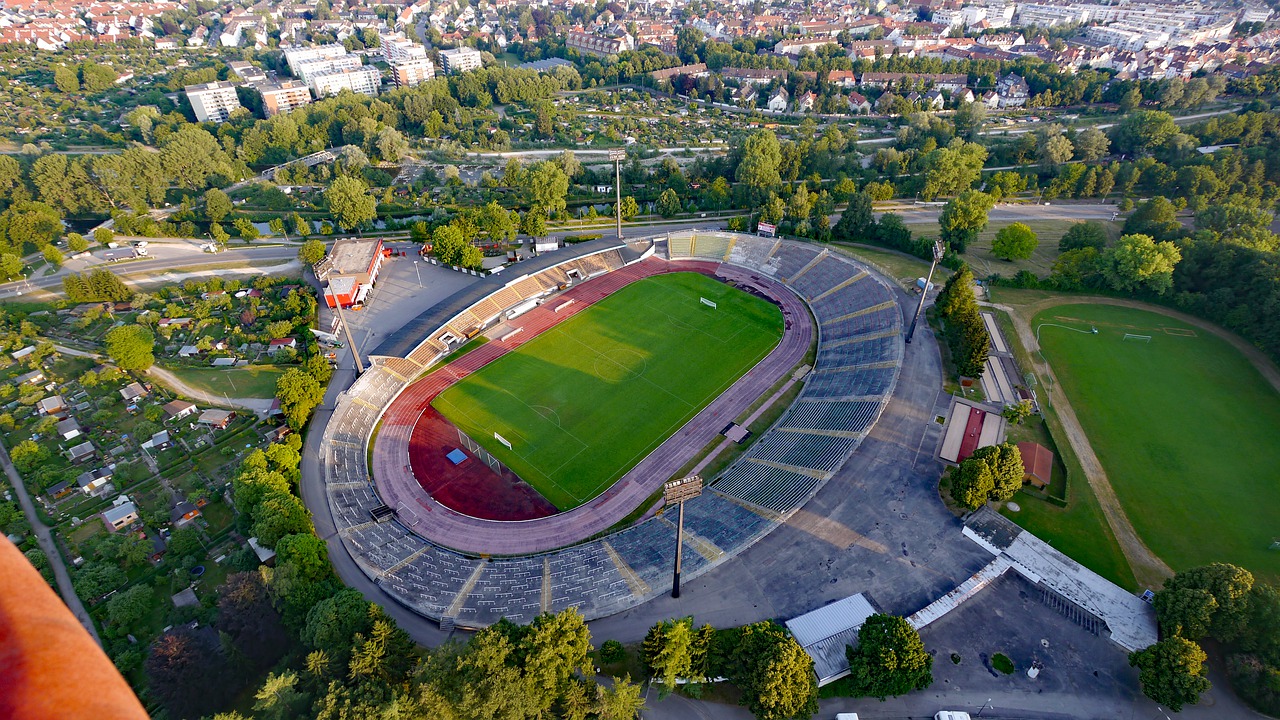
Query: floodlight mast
(677,491)
(938,250)
(617,156)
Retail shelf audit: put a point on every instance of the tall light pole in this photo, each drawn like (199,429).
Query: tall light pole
(417,272)
(677,491)
(617,155)
(938,250)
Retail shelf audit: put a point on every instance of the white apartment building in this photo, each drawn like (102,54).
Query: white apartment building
(364,79)
(408,73)
(284,97)
(1126,39)
(459,60)
(397,50)
(213,102)
(310,68)
(1051,15)
(301,55)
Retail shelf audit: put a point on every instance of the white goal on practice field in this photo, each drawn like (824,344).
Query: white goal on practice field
(1137,338)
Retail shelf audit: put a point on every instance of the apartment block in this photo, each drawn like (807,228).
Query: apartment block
(319,52)
(284,97)
(408,73)
(213,102)
(459,60)
(310,68)
(364,80)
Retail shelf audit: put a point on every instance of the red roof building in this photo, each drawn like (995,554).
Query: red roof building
(1037,463)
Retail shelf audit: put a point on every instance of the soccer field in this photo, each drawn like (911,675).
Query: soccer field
(1186,428)
(588,399)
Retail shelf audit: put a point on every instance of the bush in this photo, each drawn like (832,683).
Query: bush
(572,239)
(612,652)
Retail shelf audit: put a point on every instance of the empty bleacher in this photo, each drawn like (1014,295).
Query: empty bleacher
(829,272)
(860,382)
(794,257)
(871,320)
(815,452)
(852,416)
(861,352)
(714,246)
(752,252)
(766,486)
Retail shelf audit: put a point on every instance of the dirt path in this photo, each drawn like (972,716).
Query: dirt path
(1148,568)
(258,405)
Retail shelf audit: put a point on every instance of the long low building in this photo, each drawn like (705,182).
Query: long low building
(350,271)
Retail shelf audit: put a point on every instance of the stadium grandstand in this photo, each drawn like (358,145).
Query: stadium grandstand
(397,540)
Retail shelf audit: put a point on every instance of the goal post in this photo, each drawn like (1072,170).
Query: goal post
(502,440)
(709,303)
(1137,338)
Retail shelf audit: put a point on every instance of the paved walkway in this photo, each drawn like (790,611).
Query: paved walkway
(168,379)
(400,489)
(1149,570)
(50,548)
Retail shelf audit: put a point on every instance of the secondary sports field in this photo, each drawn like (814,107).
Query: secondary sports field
(589,398)
(1185,426)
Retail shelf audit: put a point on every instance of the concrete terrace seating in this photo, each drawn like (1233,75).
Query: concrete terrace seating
(848,300)
(880,319)
(766,486)
(830,272)
(711,245)
(886,348)
(793,257)
(853,416)
(860,382)
(815,452)
(680,245)
(752,252)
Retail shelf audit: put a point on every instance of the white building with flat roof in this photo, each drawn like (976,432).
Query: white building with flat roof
(297,56)
(364,79)
(398,49)
(460,60)
(283,97)
(213,102)
(408,73)
(310,68)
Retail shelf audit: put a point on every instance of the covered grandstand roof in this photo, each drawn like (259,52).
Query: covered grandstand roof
(824,633)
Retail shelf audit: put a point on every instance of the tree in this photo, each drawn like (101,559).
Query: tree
(1015,242)
(194,159)
(10,266)
(547,185)
(669,203)
(301,226)
(857,221)
(499,224)
(65,79)
(1006,184)
(969,119)
(187,671)
(312,252)
(452,248)
(1017,412)
(392,146)
(246,615)
(1083,235)
(668,652)
(952,169)
(332,622)
(774,674)
(247,229)
(217,205)
(77,243)
(1055,148)
(278,697)
(1092,144)
(95,78)
(29,222)
(185,542)
(630,208)
(52,255)
(990,473)
(889,659)
(1143,131)
(1137,262)
(534,223)
(103,236)
(1212,599)
(131,346)
(759,168)
(1172,672)
(964,217)
(128,607)
(350,203)
(299,393)
(1156,217)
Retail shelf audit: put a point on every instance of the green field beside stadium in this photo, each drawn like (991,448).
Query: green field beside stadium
(586,400)
(1185,427)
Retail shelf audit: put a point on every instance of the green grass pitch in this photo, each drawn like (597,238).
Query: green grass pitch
(1185,427)
(585,401)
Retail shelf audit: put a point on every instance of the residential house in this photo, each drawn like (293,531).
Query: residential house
(778,101)
(843,78)
(81,452)
(69,428)
(158,441)
(52,405)
(934,99)
(179,409)
(133,391)
(95,482)
(35,376)
(804,103)
(181,323)
(278,343)
(858,104)
(59,490)
(215,418)
(187,351)
(1012,91)
(121,514)
(183,513)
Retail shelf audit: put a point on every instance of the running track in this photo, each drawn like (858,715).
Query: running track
(418,511)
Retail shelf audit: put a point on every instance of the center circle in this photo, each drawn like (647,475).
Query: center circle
(620,364)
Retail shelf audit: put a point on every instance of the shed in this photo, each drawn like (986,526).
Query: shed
(52,405)
(216,418)
(133,391)
(1037,463)
(68,428)
(82,451)
(120,515)
(824,633)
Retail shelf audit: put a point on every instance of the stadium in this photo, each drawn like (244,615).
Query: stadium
(487,542)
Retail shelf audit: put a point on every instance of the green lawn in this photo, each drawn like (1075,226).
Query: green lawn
(1048,232)
(250,381)
(1185,427)
(585,401)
